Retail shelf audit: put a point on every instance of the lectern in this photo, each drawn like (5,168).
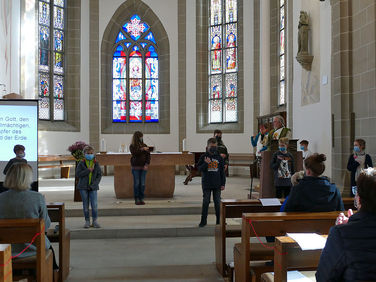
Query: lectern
(267,189)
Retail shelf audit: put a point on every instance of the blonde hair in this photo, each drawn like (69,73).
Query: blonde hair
(283,140)
(19,177)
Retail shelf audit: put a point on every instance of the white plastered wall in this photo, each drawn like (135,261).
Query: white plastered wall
(313,122)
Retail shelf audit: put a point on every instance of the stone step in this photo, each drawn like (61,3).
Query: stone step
(116,227)
(141,211)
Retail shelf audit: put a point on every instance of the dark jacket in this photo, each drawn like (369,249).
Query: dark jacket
(352,165)
(350,251)
(82,172)
(12,162)
(213,174)
(139,157)
(275,165)
(314,194)
(222,149)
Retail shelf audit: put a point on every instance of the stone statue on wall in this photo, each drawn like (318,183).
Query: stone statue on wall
(303,56)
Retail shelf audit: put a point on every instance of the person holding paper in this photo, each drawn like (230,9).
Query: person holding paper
(350,250)
(314,193)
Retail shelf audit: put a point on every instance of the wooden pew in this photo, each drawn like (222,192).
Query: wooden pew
(56,212)
(233,209)
(348,203)
(15,231)
(64,168)
(289,256)
(273,224)
(5,263)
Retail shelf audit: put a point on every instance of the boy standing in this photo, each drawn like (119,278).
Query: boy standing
(211,165)
(304,148)
(283,166)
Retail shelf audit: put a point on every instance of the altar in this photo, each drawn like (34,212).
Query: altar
(160,179)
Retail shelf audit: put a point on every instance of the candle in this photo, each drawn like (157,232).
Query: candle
(184,145)
(103,145)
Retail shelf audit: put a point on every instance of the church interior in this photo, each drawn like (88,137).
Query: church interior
(188,140)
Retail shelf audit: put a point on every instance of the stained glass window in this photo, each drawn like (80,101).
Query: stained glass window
(135,74)
(223,58)
(51,18)
(282,56)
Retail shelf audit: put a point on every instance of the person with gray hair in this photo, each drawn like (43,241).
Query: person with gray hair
(279,130)
(89,175)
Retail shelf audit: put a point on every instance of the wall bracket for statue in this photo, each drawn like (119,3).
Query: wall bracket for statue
(303,57)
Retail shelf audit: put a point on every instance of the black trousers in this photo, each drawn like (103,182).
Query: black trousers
(206,193)
(282,191)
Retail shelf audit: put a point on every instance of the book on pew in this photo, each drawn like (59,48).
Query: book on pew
(308,241)
(270,202)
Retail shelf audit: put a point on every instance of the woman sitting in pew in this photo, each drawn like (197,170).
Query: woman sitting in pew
(350,250)
(314,193)
(20,202)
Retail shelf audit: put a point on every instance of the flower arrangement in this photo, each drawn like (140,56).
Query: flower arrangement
(77,150)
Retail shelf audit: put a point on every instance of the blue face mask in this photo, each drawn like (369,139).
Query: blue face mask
(356,149)
(282,149)
(302,148)
(89,157)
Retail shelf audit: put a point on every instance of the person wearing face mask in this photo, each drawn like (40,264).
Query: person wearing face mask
(89,175)
(19,150)
(221,147)
(313,192)
(282,164)
(211,165)
(357,161)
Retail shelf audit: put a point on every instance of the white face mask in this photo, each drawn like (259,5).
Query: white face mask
(21,155)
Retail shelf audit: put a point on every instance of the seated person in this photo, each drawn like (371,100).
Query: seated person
(314,193)
(20,202)
(350,250)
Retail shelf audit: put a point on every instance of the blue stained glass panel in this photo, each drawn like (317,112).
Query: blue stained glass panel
(58,18)
(44,13)
(231,85)
(216,37)
(151,67)
(231,11)
(119,67)
(119,89)
(44,85)
(120,37)
(135,27)
(58,40)
(58,87)
(143,45)
(231,60)
(216,12)
(151,89)
(135,90)
(152,111)
(119,111)
(135,111)
(231,35)
(216,61)
(128,44)
(215,87)
(119,52)
(150,37)
(44,58)
(44,37)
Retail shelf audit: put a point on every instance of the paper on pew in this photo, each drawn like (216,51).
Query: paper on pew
(296,276)
(308,241)
(270,202)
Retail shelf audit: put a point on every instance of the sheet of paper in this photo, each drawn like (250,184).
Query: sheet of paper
(296,276)
(270,202)
(308,241)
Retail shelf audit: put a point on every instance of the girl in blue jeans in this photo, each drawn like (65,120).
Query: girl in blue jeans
(89,175)
(140,161)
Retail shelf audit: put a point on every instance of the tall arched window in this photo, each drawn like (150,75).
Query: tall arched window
(51,59)
(282,57)
(135,79)
(223,61)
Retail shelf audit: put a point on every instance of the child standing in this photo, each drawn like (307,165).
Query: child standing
(283,166)
(211,164)
(89,175)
